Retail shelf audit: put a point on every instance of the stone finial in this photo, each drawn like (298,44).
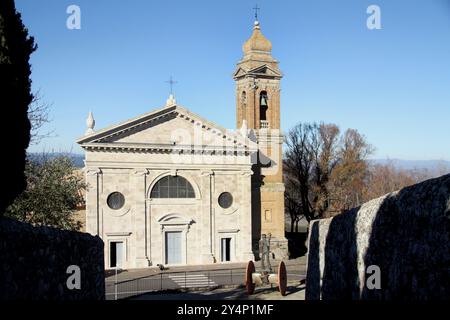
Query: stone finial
(90,123)
(171,101)
(244,129)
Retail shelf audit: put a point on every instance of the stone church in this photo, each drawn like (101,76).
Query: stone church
(170,187)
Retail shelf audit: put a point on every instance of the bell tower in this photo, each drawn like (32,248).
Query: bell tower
(258,79)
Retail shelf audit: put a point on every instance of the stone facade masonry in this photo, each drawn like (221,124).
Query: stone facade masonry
(141,224)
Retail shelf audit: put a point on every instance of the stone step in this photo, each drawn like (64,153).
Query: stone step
(192,281)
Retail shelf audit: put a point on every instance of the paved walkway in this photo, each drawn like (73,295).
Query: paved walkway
(296,291)
(209,282)
(299,265)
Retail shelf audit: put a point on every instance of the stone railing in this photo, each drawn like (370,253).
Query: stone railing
(264,124)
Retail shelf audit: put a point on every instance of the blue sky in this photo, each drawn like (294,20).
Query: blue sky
(393,84)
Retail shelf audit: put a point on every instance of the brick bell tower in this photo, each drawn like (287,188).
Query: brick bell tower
(258,79)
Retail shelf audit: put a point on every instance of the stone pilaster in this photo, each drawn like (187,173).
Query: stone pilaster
(93,181)
(140,217)
(245,218)
(206,220)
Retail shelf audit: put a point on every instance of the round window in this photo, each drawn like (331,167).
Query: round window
(225,200)
(115,200)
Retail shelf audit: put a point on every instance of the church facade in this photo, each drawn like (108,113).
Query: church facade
(170,187)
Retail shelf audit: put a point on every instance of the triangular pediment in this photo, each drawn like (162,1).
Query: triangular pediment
(261,71)
(240,72)
(172,127)
(265,70)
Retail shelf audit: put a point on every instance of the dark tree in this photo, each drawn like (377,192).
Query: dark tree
(308,163)
(299,170)
(16,46)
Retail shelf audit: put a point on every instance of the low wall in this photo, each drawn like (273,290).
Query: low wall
(34,262)
(406,234)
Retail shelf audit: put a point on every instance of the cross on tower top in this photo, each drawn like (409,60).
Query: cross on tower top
(256,8)
(171,82)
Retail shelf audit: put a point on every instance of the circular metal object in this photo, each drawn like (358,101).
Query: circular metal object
(249,285)
(282,278)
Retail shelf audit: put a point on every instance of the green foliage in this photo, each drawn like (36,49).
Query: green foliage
(54,191)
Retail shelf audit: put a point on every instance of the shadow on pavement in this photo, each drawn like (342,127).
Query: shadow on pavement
(261,293)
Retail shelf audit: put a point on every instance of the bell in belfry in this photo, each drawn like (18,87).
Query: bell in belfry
(263,101)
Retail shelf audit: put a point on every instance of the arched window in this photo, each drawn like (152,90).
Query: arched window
(172,187)
(243,100)
(243,106)
(263,105)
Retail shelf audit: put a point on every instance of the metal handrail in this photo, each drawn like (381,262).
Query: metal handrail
(217,277)
(175,272)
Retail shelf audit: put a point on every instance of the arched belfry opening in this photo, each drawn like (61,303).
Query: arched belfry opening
(243,105)
(263,108)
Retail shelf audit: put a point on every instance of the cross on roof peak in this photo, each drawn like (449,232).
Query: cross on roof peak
(171,82)
(256,8)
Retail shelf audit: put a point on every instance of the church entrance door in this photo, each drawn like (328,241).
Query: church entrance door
(116,254)
(225,245)
(173,247)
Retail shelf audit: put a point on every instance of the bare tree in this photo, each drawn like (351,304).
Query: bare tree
(324,172)
(386,178)
(38,114)
(293,209)
(350,174)
(298,166)
(325,160)
(309,160)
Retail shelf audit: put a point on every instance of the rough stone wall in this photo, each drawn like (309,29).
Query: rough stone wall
(34,261)
(405,233)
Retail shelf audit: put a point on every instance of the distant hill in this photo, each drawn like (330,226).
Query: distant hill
(430,165)
(78,159)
